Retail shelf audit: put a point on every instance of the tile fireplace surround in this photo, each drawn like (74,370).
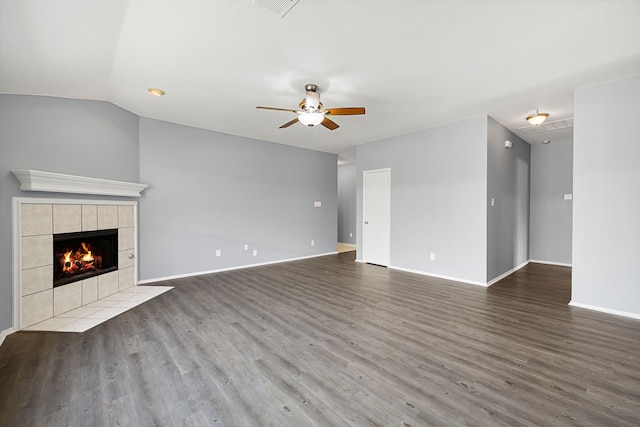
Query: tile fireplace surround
(80,305)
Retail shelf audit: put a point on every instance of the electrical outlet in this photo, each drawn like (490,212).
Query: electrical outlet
(350,234)
(432,256)
(246,247)
(255,252)
(313,242)
(218,252)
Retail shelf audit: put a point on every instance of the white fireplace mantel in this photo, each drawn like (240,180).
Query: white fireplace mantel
(34,180)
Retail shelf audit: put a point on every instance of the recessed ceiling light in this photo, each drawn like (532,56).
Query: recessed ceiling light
(155,91)
(545,141)
(537,118)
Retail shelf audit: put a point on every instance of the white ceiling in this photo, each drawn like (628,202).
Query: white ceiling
(413,64)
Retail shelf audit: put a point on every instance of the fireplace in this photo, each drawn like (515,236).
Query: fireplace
(111,228)
(35,221)
(78,256)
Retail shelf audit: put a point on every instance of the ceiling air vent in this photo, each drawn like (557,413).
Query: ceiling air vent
(281,7)
(547,126)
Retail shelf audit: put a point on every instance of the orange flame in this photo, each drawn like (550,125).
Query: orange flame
(79,261)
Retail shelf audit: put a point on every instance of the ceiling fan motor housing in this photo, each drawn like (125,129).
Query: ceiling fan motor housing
(312,100)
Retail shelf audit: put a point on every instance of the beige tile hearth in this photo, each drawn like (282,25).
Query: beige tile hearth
(88,316)
(101,303)
(80,312)
(51,324)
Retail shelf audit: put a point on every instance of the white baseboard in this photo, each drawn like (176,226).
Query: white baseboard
(220,270)
(5,333)
(606,310)
(505,274)
(457,279)
(562,264)
(439,276)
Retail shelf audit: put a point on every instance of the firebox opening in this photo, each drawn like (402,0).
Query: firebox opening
(78,256)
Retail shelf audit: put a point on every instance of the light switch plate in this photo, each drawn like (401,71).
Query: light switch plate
(568,196)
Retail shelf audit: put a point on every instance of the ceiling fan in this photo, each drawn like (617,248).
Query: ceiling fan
(311,112)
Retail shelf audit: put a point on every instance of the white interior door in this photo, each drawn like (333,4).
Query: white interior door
(376,209)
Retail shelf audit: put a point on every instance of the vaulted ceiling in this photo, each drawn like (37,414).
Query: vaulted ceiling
(413,64)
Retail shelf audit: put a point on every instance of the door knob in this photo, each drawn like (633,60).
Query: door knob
(366,222)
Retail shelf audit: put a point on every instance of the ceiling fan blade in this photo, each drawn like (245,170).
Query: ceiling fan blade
(286,125)
(277,109)
(329,124)
(348,111)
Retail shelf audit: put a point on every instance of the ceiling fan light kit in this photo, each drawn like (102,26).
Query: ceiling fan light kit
(537,118)
(311,119)
(311,112)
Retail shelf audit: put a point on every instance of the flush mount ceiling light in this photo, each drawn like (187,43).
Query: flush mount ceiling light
(537,118)
(155,91)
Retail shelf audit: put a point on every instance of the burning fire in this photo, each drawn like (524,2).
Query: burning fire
(73,261)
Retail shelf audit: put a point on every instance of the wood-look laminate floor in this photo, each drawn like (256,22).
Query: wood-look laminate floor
(328,341)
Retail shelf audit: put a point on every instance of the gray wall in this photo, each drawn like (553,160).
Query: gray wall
(212,191)
(438,198)
(508,186)
(76,137)
(551,219)
(347,203)
(606,205)
(207,190)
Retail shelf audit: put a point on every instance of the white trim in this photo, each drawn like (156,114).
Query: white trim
(439,276)
(238,267)
(5,333)
(562,264)
(376,170)
(505,274)
(605,310)
(34,180)
(47,200)
(16,204)
(457,279)
(16,250)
